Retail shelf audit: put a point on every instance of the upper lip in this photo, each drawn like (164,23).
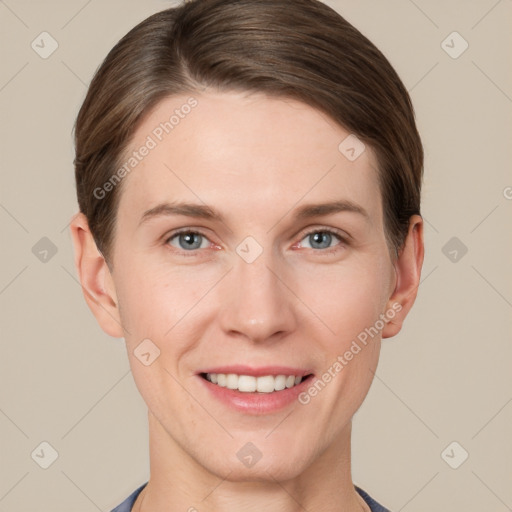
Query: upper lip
(257,371)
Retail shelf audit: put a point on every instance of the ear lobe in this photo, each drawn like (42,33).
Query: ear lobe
(408,272)
(95,278)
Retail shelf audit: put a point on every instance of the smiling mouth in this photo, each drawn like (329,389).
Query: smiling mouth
(252,384)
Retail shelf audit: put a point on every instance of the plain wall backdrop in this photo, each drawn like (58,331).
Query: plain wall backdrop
(443,389)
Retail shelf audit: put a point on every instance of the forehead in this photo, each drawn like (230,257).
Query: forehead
(245,152)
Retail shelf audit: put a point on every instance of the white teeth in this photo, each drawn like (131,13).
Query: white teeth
(247,383)
(290,381)
(231,381)
(250,384)
(266,384)
(280,382)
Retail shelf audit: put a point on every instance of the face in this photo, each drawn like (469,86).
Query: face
(247,244)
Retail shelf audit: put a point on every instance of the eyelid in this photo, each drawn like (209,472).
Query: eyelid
(178,231)
(343,236)
(189,230)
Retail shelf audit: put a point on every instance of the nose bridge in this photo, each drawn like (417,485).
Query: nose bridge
(260,305)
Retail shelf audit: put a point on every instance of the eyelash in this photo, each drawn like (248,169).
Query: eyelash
(330,250)
(187,231)
(337,234)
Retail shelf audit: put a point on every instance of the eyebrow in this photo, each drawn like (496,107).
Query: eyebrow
(207,212)
(187,209)
(317,210)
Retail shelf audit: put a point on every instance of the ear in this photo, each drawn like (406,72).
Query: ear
(95,278)
(408,272)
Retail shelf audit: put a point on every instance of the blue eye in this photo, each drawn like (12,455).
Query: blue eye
(189,240)
(321,239)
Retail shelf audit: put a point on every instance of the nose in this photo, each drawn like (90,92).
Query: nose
(256,301)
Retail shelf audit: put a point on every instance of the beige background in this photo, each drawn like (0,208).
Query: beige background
(446,377)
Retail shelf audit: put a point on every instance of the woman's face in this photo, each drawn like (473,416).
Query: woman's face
(225,262)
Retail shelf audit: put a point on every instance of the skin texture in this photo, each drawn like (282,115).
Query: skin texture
(256,160)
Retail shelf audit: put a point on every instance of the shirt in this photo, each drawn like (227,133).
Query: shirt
(127,504)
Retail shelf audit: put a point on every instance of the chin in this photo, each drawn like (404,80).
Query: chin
(268,465)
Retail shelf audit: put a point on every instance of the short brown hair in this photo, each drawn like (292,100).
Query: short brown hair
(301,49)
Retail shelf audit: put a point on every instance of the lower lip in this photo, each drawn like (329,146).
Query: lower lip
(256,403)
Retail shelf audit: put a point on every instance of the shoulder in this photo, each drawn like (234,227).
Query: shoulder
(374,505)
(127,504)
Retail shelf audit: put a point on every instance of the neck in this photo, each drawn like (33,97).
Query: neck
(178,482)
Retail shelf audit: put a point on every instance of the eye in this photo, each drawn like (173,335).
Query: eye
(321,239)
(188,240)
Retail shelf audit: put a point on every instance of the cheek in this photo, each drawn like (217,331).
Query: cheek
(166,305)
(152,301)
(347,299)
